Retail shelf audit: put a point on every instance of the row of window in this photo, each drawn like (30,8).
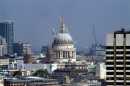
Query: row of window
(117,73)
(118,68)
(118,83)
(118,63)
(118,78)
(117,57)
(118,52)
(117,47)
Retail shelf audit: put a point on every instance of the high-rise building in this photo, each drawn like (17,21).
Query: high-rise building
(3,46)
(118,58)
(6,31)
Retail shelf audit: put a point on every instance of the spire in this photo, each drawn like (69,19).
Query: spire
(61,22)
(62,26)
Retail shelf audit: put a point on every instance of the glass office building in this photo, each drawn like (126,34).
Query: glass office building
(7,32)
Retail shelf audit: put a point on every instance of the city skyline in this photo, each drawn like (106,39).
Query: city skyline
(34,20)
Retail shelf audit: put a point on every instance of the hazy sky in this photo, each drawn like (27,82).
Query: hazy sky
(34,19)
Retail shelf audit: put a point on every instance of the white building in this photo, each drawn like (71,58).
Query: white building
(1,82)
(27,48)
(101,70)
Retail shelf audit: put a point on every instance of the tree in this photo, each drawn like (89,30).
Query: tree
(41,73)
(17,73)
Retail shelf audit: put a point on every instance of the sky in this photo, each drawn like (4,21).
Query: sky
(35,19)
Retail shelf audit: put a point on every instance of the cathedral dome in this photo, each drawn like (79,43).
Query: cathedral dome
(63,37)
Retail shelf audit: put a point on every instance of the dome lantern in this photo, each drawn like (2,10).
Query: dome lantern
(63,29)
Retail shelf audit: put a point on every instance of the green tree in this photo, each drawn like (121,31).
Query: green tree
(41,73)
(17,73)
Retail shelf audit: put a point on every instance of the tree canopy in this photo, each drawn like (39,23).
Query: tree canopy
(41,73)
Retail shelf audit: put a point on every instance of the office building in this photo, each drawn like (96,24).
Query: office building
(3,46)
(27,48)
(118,58)
(6,31)
(21,48)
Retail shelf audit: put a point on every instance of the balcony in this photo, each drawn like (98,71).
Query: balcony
(119,80)
(121,60)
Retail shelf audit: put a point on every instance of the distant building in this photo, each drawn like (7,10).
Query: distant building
(18,49)
(44,49)
(7,32)
(27,53)
(21,48)
(93,82)
(1,81)
(101,71)
(118,58)
(30,81)
(92,68)
(62,48)
(27,48)
(3,46)
(4,62)
(62,51)
(28,59)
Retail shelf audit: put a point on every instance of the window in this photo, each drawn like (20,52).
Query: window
(110,68)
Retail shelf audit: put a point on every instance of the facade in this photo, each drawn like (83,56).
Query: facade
(27,48)
(101,71)
(28,59)
(4,62)
(21,49)
(3,46)
(6,31)
(18,49)
(87,83)
(118,58)
(62,48)
(30,81)
(1,81)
